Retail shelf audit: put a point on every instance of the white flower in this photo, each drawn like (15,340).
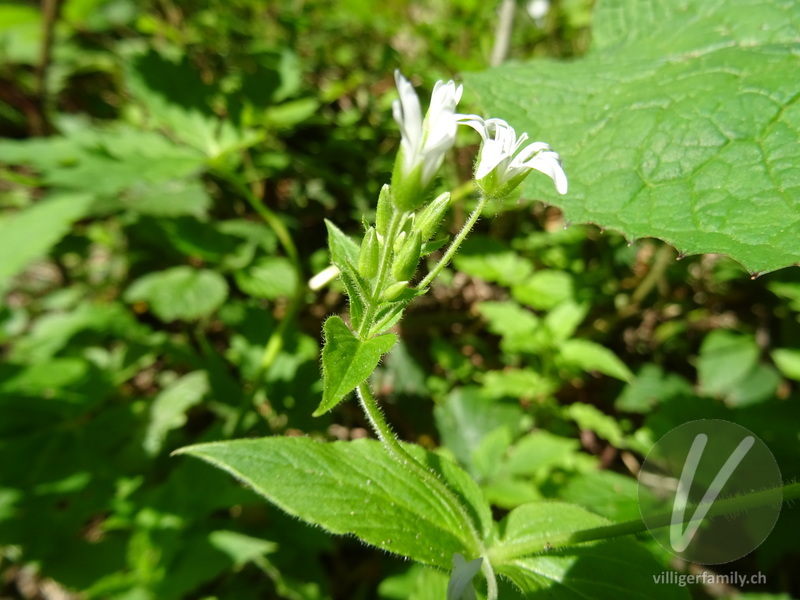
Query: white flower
(425,142)
(502,165)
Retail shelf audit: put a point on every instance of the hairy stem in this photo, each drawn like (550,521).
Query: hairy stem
(454,245)
(726,506)
(380,279)
(407,461)
(491,579)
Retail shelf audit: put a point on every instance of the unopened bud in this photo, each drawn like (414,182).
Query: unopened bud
(394,290)
(399,241)
(431,217)
(383,214)
(405,262)
(369,256)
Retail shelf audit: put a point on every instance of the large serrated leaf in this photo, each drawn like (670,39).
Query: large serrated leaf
(347,361)
(681,123)
(358,488)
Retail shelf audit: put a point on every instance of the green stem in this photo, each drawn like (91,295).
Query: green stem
(380,279)
(491,579)
(402,456)
(726,506)
(454,245)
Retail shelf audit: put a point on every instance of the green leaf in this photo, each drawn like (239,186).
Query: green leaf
(20,33)
(563,320)
(344,254)
(30,233)
(788,362)
(347,361)
(589,356)
(606,493)
(108,161)
(680,123)
(358,488)
(590,418)
(725,360)
(469,415)
(180,293)
(523,384)
(168,410)
(344,251)
(544,289)
(601,571)
(651,386)
(270,277)
(491,260)
(540,452)
(519,327)
(168,199)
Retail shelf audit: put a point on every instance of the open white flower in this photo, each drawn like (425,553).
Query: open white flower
(502,165)
(424,142)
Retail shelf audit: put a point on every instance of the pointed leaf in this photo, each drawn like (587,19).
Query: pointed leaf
(344,251)
(31,233)
(358,488)
(347,361)
(589,356)
(601,571)
(344,254)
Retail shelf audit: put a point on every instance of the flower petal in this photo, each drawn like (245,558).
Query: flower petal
(549,163)
(408,114)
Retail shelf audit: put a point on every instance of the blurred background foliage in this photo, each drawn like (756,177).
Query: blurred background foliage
(165,170)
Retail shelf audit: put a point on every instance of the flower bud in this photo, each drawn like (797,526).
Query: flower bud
(405,262)
(384,212)
(394,290)
(369,256)
(398,242)
(431,217)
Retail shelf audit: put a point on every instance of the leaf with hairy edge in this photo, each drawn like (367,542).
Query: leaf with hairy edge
(358,488)
(601,571)
(347,361)
(680,123)
(344,254)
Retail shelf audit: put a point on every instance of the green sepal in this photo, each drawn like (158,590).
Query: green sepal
(405,262)
(369,256)
(408,194)
(429,220)
(383,215)
(394,290)
(433,246)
